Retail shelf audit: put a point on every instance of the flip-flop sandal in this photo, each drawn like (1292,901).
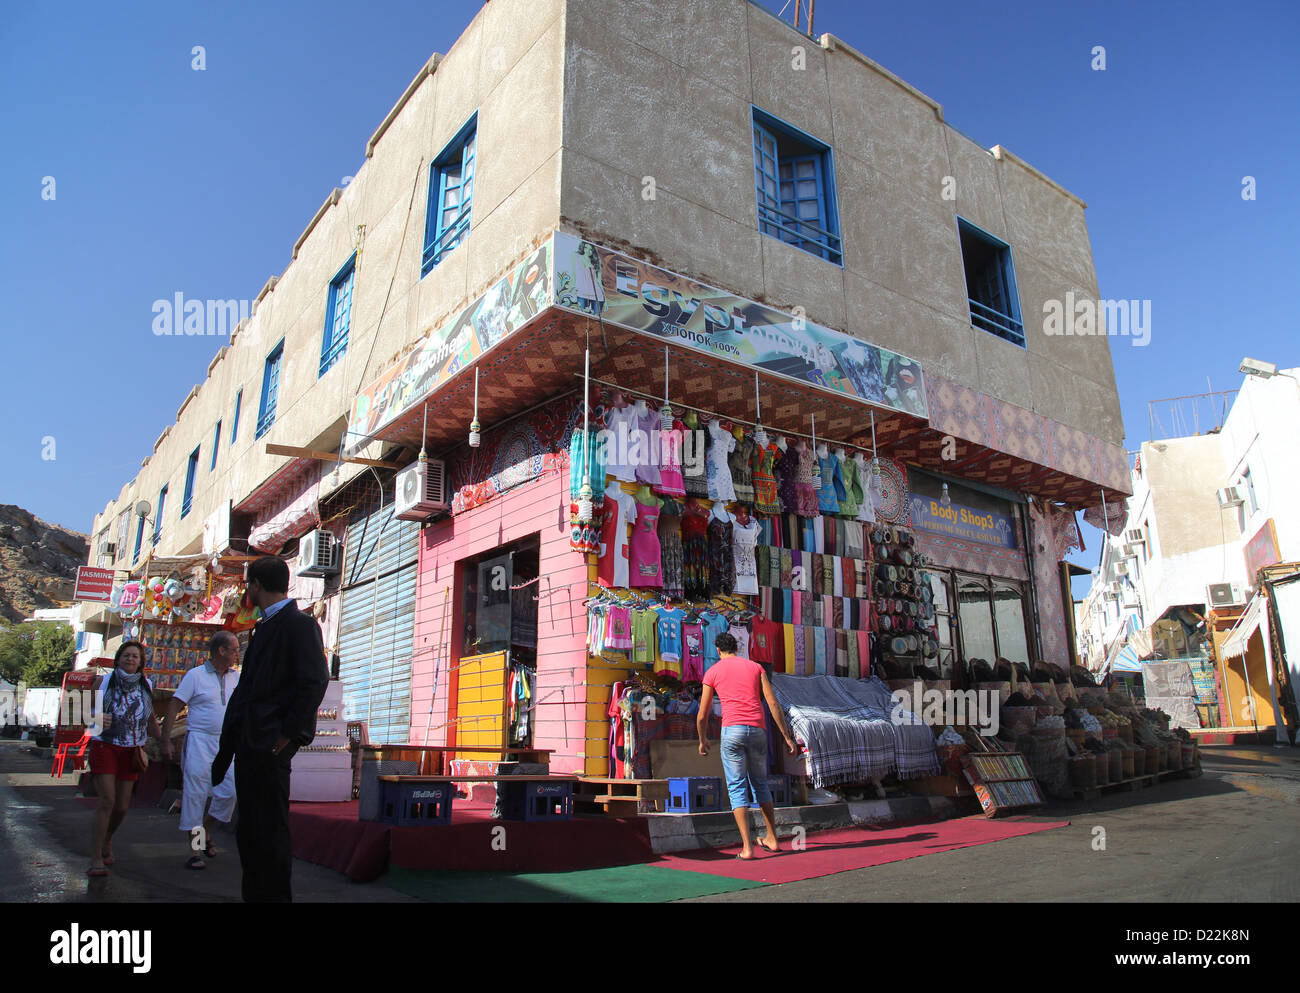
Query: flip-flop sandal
(212,851)
(195,863)
(109,859)
(97,870)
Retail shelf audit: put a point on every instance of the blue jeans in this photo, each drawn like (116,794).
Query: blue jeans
(744,760)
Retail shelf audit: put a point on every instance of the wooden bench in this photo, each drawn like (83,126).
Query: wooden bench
(617,797)
(418,800)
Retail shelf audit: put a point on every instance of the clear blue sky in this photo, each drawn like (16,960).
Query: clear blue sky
(171,180)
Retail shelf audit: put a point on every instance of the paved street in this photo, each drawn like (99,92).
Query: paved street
(1227,836)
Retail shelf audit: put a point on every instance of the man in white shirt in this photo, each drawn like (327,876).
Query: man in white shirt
(205,690)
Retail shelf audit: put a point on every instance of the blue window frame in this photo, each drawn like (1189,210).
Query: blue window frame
(234,424)
(157,521)
(270,390)
(451,194)
(338,316)
(216,443)
(794,176)
(139,539)
(990,283)
(191,471)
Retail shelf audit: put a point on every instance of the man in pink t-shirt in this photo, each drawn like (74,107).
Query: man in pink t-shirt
(743,686)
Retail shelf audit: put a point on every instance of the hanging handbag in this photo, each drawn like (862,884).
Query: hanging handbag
(140,759)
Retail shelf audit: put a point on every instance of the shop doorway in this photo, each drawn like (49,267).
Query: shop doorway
(992,618)
(496,674)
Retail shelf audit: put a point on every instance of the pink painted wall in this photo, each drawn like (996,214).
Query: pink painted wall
(540,507)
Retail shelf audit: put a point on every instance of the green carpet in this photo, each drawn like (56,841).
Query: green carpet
(617,884)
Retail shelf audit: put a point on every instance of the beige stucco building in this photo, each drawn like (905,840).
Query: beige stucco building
(642,128)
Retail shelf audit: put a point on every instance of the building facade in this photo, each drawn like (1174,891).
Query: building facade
(697,195)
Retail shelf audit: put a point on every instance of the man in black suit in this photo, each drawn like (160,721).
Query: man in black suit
(271,714)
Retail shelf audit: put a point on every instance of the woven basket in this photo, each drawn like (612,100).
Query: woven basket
(1189,755)
(1083,773)
(1116,757)
(1174,755)
(1021,720)
(1002,689)
(1102,762)
(1129,769)
(1139,761)
(1155,759)
(1125,733)
(1065,691)
(1048,691)
(1076,735)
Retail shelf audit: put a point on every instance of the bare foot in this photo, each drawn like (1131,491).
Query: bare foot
(770,843)
(746,854)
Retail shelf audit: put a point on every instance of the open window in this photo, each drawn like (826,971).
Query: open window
(795,181)
(990,283)
(500,601)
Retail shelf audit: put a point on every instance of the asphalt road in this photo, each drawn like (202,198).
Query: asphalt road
(1226,836)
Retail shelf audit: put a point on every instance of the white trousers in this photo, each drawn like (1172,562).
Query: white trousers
(200,750)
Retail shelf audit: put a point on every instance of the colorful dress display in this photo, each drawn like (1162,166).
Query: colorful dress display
(612,567)
(621,422)
(805,493)
(722,567)
(832,488)
(672,554)
(787,476)
(644,554)
(671,483)
(740,462)
(645,446)
(695,555)
(694,453)
(852,498)
(766,500)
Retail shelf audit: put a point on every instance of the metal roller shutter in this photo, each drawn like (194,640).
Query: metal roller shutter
(377,626)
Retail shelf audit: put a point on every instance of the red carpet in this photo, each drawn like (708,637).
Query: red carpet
(471,842)
(329,834)
(829,852)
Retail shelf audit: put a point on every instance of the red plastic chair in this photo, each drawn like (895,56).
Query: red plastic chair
(74,751)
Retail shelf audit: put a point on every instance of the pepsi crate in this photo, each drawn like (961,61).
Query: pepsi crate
(694,795)
(535,800)
(779,784)
(416,804)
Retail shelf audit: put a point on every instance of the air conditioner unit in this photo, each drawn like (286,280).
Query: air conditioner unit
(1134,536)
(318,554)
(1111,594)
(1229,496)
(1121,569)
(107,548)
(422,490)
(1225,595)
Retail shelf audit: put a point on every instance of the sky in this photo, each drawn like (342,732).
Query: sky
(167,179)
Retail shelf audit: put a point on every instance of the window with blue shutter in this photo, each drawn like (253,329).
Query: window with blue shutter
(157,521)
(191,471)
(451,195)
(990,283)
(338,316)
(216,443)
(794,178)
(270,390)
(234,424)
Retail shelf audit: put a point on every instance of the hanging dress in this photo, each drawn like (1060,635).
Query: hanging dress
(805,494)
(852,498)
(694,452)
(744,539)
(787,471)
(644,554)
(740,462)
(671,483)
(764,470)
(695,556)
(620,423)
(721,445)
(832,490)
(722,567)
(672,555)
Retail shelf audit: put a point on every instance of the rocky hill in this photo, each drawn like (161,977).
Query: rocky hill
(38,563)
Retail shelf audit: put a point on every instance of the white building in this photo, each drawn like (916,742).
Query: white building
(1208,512)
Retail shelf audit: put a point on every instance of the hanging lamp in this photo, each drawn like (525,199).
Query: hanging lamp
(474,424)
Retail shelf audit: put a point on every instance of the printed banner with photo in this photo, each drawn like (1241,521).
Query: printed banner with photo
(514,301)
(636,295)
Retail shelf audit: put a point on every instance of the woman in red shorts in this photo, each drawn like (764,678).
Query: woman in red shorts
(126,722)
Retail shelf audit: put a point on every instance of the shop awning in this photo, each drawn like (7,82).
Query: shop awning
(1235,644)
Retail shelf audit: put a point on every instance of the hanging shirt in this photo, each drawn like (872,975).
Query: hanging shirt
(643,637)
(613,567)
(618,628)
(712,625)
(644,552)
(741,634)
(692,652)
(762,640)
(669,631)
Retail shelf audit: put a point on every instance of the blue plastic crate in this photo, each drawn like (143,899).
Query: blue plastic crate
(694,795)
(536,801)
(779,784)
(416,804)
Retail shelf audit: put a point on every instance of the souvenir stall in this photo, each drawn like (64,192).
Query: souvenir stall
(700,525)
